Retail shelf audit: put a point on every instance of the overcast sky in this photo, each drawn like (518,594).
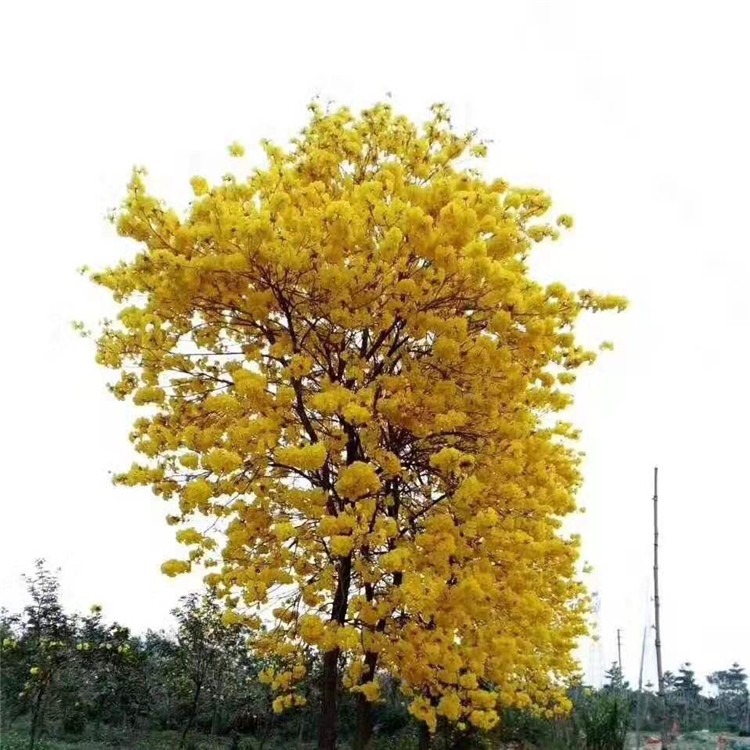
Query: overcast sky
(632,113)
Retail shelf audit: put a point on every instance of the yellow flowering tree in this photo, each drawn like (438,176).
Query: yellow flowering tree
(347,376)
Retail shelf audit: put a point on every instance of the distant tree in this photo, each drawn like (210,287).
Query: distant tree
(733,698)
(208,647)
(15,668)
(66,668)
(685,699)
(43,646)
(162,675)
(650,707)
(669,681)
(614,680)
(685,684)
(111,661)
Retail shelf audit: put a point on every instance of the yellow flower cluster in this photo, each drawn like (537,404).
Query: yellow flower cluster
(308,458)
(222,461)
(172,568)
(311,629)
(357,480)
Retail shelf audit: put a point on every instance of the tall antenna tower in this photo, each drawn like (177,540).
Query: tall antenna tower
(596,651)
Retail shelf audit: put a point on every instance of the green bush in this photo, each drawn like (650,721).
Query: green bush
(602,720)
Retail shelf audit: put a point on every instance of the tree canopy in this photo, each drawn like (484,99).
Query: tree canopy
(347,376)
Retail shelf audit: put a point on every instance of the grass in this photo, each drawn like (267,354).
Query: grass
(18,739)
(698,741)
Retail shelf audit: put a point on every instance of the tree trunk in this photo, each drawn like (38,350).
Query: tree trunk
(363,738)
(328,731)
(217,713)
(193,712)
(301,732)
(425,738)
(462,740)
(330,681)
(268,725)
(36,716)
(329,701)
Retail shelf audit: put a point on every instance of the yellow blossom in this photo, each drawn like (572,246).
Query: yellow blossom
(450,707)
(311,629)
(357,480)
(308,458)
(189,536)
(172,568)
(197,492)
(356,414)
(236,149)
(149,394)
(341,545)
(190,460)
(221,461)
(371,691)
(199,185)
(284,531)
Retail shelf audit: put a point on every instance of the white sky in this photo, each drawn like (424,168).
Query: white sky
(632,113)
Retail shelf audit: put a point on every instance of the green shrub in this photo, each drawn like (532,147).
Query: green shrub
(602,720)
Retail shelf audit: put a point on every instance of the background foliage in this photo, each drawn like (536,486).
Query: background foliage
(71,677)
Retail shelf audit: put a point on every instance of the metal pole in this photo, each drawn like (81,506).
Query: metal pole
(639,708)
(657,622)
